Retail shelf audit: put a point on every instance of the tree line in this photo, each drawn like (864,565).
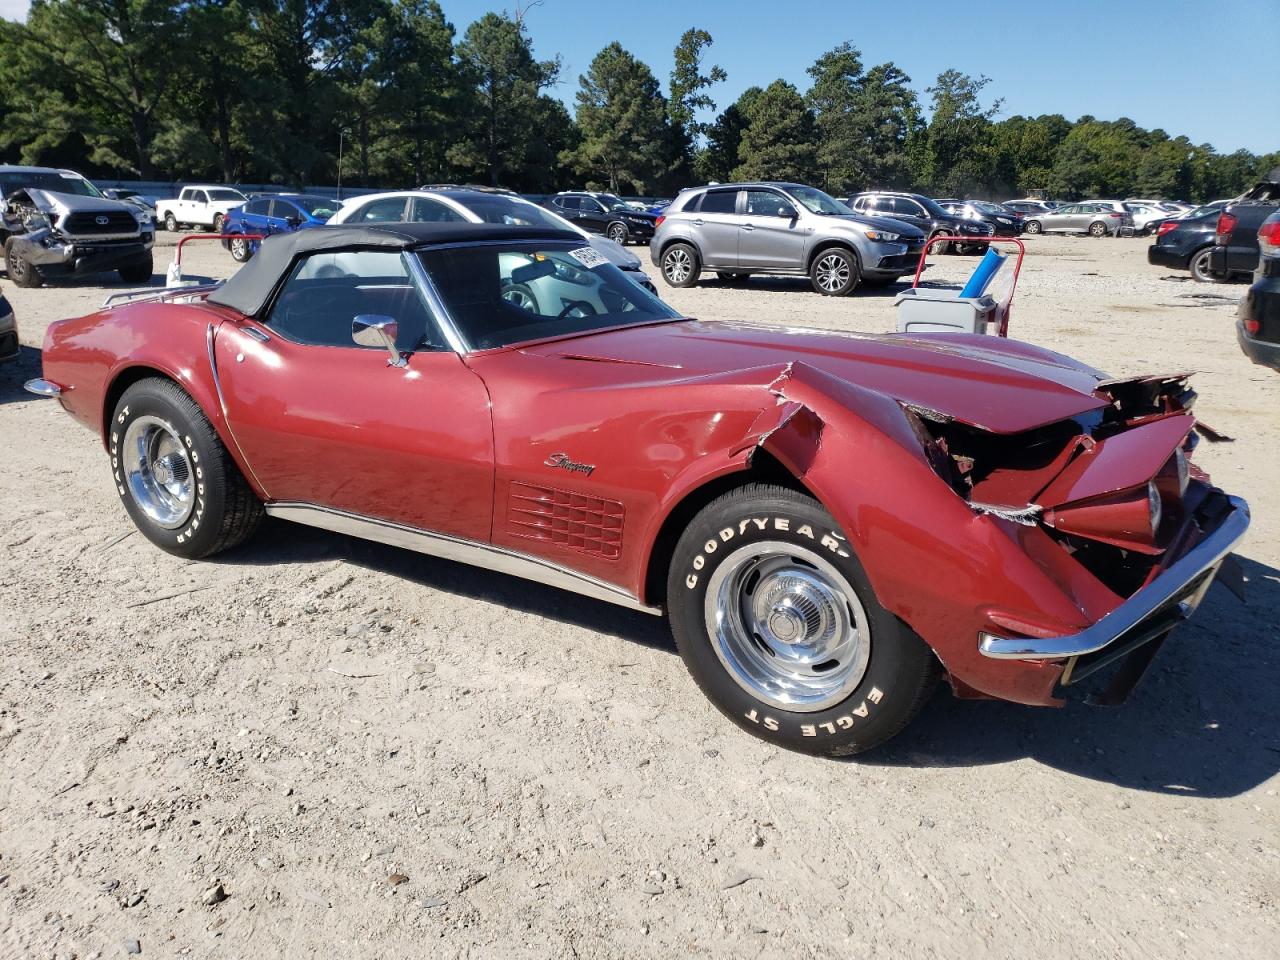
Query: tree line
(274,91)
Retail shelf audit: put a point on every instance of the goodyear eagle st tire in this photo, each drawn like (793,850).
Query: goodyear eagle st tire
(176,480)
(777,622)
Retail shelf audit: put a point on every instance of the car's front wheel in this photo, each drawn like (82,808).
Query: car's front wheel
(680,266)
(1201,267)
(21,270)
(1032,226)
(241,249)
(176,479)
(776,620)
(617,232)
(834,272)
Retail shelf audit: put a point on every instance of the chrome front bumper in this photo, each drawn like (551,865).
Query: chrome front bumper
(1168,599)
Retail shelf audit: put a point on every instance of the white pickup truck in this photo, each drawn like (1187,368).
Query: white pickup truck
(199,207)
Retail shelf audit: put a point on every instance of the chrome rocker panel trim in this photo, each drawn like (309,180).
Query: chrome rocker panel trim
(455,548)
(42,388)
(1205,557)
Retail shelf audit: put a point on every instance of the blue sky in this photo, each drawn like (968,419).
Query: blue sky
(1195,68)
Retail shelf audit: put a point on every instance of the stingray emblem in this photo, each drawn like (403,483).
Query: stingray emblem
(561,461)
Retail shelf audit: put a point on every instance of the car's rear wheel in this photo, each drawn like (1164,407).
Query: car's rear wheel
(176,479)
(1032,226)
(1097,229)
(1201,267)
(241,249)
(21,271)
(617,232)
(217,222)
(834,272)
(777,622)
(139,271)
(170,223)
(680,265)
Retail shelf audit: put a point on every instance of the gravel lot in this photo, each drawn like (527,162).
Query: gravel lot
(370,753)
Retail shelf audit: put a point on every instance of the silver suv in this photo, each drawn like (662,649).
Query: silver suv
(739,229)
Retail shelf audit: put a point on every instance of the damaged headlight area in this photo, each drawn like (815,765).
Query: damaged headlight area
(1112,487)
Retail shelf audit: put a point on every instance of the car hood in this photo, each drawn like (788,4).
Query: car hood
(901,227)
(50,201)
(1004,386)
(614,252)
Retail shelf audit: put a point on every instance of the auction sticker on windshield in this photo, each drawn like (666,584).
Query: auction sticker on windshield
(588,257)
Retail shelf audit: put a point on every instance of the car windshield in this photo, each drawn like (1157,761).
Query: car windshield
(225,194)
(816,201)
(495,208)
(504,293)
(987,207)
(611,202)
(52,180)
(930,207)
(321,208)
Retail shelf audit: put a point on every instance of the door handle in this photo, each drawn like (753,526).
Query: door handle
(748,226)
(698,222)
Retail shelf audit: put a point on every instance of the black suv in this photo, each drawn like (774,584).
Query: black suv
(1258,326)
(919,211)
(604,213)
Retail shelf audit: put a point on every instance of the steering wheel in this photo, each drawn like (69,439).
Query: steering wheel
(584,308)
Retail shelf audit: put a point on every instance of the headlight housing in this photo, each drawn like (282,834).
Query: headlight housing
(881,235)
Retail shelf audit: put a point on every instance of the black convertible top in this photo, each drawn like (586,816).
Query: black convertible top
(249,289)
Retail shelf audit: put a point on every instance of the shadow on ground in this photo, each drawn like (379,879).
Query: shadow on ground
(281,542)
(1202,723)
(16,372)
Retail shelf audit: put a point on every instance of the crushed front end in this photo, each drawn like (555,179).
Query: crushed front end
(1109,506)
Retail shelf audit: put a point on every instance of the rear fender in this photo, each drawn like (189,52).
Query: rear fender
(95,358)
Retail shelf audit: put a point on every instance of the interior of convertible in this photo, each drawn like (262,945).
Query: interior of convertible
(496,294)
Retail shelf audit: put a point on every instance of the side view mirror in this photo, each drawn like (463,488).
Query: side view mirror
(377,330)
(787,213)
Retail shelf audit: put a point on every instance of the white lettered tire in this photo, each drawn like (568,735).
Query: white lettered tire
(173,475)
(775,619)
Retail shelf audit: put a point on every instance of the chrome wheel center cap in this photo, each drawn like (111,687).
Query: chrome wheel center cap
(785,623)
(162,471)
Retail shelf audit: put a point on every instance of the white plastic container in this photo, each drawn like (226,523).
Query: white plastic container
(924,310)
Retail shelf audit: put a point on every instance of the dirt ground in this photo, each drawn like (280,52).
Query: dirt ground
(377,754)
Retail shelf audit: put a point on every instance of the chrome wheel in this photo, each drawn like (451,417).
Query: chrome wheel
(787,626)
(1097,229)
(677,265)
(158,471)
(521,298)
(240,249)
(617,233)
(832,272)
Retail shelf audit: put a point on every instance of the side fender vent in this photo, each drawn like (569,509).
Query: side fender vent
(588,524)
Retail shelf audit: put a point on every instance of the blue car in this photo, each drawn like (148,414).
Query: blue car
(274,213)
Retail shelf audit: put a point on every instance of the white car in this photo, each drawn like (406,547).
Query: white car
(1147,217)
(478,205)
(199,206)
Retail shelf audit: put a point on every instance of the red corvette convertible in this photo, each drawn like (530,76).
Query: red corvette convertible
(830,521)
